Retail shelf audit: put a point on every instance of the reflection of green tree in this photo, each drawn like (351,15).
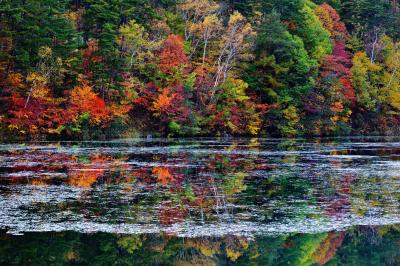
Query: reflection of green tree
(374,192)
(365,246)
(39,249)
(234,184)
(362,246)
(280,192)
(304,246)
(130,243)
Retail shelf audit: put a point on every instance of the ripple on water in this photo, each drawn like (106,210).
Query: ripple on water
(205,187)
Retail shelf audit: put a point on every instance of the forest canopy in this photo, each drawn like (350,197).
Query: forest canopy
(87,69)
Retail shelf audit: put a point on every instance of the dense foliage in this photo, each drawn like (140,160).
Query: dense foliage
(98,69)
(72,248)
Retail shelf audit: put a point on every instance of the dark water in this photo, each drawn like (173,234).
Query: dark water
(201,202)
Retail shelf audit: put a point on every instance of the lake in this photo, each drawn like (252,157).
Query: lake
(201,202)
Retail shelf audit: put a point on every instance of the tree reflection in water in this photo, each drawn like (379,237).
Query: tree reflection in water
(356,246)
(201,202)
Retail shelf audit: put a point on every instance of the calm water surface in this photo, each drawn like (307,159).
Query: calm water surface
(201,202)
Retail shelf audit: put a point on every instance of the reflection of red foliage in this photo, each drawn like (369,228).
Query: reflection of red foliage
(40,172)
(328,248)
(346,184)
(265,166)
(204,195)
(163,175)
(85,175)
(339,205)
(170,215)
(288,244)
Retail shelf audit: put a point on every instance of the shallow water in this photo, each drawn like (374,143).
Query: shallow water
(211,200)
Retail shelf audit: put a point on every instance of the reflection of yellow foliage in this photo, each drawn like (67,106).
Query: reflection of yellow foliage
(159,246)
(232,254)
(244,243)
(38,183)
(254,144)
(130,243)
(235,184)
(71,256)
(196,260)
(384,230)
(207,248)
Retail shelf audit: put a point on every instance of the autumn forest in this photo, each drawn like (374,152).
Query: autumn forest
(89,69)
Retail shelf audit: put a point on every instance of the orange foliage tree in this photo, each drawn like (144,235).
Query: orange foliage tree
(168,105)
(34,114)
(172,55)
(84,101)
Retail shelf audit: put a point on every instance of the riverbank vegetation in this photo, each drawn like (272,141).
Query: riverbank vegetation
(99,69)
